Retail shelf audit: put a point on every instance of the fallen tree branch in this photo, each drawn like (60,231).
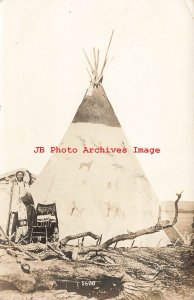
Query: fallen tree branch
(160,225)
(68,238)
(16,247)
(61,255)
(176,209)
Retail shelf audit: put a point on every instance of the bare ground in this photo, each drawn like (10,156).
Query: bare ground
(137,273)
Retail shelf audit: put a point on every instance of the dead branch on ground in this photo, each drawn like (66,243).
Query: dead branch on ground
(17,248)
(160,225)
(68,238)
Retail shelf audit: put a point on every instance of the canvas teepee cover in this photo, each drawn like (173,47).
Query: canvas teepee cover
(106,193)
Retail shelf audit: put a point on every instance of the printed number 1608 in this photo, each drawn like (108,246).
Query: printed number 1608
(88,283)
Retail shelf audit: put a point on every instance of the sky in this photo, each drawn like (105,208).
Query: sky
(148,80)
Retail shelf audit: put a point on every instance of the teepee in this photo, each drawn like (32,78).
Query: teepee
(105,193)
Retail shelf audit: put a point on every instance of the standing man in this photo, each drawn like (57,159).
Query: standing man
(22,212)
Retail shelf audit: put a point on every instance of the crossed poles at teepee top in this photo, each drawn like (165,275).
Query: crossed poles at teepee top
(96,78)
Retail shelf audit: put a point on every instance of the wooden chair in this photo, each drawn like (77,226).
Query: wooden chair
(46,228)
